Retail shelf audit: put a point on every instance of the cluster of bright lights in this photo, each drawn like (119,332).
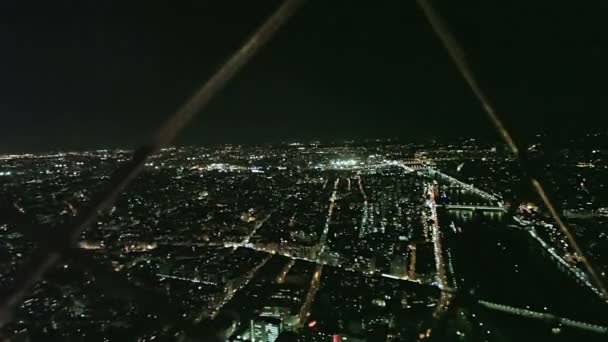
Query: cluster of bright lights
(392,162)
(224,167)
(345,162)
(5,173)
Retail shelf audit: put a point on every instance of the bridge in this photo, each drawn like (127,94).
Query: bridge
(422,168)
(472,207)
(469,187)
(547,317)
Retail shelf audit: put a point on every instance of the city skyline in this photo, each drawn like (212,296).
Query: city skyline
(548,137)
(360,241)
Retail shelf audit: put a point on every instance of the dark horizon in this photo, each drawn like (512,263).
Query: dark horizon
(94,75)
(555,138)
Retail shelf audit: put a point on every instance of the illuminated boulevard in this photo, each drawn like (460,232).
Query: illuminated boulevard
(238,284)
(310,297)
(441,278)
(330,211)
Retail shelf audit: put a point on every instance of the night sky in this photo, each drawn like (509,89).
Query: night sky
(87,74)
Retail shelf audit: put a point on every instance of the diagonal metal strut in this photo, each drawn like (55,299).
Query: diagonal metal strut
(457,55)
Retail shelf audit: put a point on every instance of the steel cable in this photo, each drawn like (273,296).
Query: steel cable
(458,57)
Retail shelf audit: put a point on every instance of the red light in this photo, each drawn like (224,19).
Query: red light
(312,324)
(337,338)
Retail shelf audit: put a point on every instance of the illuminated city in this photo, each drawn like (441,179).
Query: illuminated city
(303,171)
(362,241)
